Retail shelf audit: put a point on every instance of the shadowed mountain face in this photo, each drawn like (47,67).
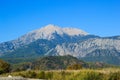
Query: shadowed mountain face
(55,41)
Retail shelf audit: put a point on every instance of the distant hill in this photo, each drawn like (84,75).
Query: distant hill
(51,63)
(57,63)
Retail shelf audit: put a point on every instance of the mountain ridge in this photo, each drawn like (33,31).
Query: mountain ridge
(46,32)
(52,40)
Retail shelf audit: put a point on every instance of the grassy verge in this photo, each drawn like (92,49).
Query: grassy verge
(83,74)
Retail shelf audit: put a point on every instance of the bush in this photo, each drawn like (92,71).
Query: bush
(114,76)
(75,67)
(41,75)
(29,74)
(49,75)
(93,76)
(4,67)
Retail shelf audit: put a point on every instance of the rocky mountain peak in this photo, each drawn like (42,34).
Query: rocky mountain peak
(48,31)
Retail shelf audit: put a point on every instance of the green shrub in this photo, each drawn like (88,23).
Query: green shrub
(4,67)
(41,75)
(30,74)
(49,75)
(114,76)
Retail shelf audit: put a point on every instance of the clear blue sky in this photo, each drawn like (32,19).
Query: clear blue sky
(100,17)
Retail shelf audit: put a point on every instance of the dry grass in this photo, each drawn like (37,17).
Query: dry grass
(83,74)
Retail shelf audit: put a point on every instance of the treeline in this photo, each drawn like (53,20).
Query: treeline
(51,63)
(58,63)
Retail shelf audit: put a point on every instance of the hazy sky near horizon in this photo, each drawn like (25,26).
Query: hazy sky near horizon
(99,17)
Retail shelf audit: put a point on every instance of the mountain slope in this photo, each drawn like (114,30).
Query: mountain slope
(81,49)
(97,49)
(43,47)
(48,32)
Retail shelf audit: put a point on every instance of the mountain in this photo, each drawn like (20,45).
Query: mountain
(52,40)
(48,32)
